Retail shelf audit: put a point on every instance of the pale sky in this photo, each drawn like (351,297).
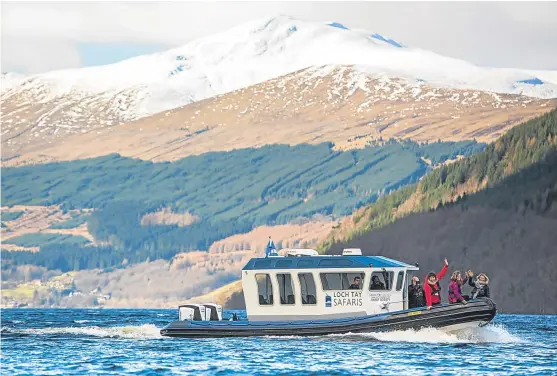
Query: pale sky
(43,36)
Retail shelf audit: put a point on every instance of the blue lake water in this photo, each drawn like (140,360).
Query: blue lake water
(127,342)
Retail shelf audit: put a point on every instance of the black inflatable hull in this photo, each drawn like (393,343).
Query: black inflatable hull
(477,312)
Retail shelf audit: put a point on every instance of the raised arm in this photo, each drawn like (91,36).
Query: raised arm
(471,282)
(442,272)
(470,278)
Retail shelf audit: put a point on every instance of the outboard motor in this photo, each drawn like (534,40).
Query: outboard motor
(192,312)
(214,311)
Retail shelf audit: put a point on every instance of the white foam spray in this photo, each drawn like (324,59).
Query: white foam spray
(146,331)
(487,334)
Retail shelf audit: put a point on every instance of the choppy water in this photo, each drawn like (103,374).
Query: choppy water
(88,341)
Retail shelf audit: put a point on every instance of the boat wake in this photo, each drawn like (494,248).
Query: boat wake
(146,331)
(486,334)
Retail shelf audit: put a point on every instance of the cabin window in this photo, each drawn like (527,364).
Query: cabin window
(264,289)
(286,289)
(342,281)
(381,281)
(307,288)
(399,280)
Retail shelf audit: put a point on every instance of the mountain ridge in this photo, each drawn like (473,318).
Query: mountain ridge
(258,51)
(314,61)
(274,36)
(332,103)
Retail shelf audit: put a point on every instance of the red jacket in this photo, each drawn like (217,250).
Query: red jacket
(430,296)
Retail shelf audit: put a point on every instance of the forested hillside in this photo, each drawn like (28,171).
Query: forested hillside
(530,144)
(494,212)
(223,193)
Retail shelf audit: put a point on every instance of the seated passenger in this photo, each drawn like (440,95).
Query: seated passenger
(455,294)
(479,284)
(416,296)
(376,284)
(432,289)
(357,284)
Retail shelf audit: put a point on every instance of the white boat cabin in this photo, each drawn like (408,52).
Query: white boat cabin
(304,285)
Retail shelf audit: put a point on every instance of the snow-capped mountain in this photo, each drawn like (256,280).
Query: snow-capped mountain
(73,101)
(264,49)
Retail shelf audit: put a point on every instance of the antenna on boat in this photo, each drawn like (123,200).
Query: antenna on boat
(271,250)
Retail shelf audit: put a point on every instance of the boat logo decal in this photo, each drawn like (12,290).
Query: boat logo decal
(344,299)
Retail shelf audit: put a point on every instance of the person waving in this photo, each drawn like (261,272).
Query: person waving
(432,289)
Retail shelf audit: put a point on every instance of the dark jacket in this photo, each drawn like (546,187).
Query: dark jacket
(416,296)
(377,285)
(480,290)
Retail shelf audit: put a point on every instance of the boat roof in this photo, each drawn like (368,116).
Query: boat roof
(324,262)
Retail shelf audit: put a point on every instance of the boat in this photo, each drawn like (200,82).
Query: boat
(302,293)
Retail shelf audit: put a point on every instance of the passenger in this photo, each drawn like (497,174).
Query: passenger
(479,284)
(416,296)
(455,293)
(376,284)
(432,289)
(357,284)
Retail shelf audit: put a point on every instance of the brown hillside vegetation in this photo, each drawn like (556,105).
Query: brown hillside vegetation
(315,105)
(165,216)
(208,276)
(223,295)
(507,228)
(305,234)
(163,284)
